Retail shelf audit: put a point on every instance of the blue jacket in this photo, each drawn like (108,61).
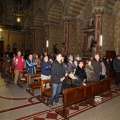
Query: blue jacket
(30,66)
(45,68)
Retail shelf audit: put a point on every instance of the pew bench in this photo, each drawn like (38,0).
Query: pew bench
(45,92)
(22,78)
(33,85)
(83,93)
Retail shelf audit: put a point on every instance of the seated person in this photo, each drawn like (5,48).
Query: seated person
(80,71)
(75,80)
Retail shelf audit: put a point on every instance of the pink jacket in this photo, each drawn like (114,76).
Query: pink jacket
(18,63)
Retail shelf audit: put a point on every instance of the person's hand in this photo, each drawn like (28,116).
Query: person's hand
(66,74)
(84,84)
(61,79)
(84,80)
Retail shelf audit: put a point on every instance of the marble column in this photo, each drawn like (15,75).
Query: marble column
(98,12)
(66,22)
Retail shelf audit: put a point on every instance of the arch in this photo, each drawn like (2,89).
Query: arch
(38,17)
(74,7)
(27,21)
(55,12)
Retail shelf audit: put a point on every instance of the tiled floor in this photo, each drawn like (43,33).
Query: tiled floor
(17,104)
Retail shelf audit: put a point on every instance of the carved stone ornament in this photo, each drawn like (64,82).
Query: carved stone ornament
(98,9)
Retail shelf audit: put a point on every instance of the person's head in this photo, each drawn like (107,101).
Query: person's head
(118,57)
(45,53)
(30,56)
(36,56)
(89,62)
(77,57)
(19,53)
(91,58)
(97,57)
(111,59)
(46,58)
(80,64)
(70,58)
(59,57)
(70,74)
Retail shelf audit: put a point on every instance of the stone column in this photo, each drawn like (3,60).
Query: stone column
(98,12)
(66,22)
(32,39)
(46,35)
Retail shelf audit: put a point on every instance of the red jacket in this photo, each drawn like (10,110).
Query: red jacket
(18,63)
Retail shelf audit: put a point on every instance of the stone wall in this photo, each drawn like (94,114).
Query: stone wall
(11,38)
(39,39)
(55,37)
(107,31)
(117,28)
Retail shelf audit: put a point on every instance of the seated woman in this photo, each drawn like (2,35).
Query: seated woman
(89,71)
(80,71)
(76,81)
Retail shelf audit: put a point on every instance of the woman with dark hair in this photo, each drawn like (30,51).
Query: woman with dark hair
(89,71)
(80,71)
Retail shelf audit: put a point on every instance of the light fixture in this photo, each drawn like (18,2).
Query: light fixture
(18,10)
(47,43)
(101,40)
(18,19)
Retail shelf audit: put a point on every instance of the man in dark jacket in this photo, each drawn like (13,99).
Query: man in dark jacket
(97,67)
(57,77)
(117,69)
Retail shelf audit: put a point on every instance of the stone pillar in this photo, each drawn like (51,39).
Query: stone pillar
(46,35)
(66,22)
(32,39)
(98,12)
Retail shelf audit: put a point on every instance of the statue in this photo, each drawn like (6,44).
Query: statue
(55,50)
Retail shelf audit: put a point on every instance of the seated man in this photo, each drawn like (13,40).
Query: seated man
(75,80)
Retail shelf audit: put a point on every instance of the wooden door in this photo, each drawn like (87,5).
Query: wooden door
(1,46)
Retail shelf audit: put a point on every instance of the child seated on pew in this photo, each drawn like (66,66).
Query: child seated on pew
(75,81)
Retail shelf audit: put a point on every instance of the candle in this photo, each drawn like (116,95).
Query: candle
(47,43)
(101,39)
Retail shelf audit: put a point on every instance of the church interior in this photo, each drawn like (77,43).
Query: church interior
(70,27)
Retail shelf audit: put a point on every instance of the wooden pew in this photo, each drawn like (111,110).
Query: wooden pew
(22,78)
(45,92)
(83,93)
(35,84)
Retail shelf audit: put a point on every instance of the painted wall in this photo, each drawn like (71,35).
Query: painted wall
(11,38)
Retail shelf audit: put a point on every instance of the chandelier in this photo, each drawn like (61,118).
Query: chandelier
(18,10)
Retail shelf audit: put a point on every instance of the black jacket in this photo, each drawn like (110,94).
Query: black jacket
(80,73)
(77,81)
(97,67)
(57,72)
(117,65)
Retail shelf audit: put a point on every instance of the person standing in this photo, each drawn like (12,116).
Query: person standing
(97,67)
(57,77)
(30,67)
(45,70)
(19,64)
(117,69)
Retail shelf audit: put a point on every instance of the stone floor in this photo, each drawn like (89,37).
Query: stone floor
(17,104)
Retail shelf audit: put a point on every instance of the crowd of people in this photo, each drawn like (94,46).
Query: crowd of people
(60,68)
